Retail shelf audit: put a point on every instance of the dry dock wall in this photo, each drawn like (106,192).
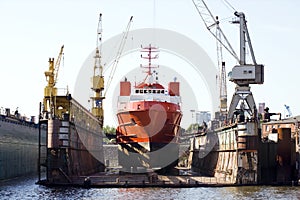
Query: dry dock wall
(278,159)
(18,159)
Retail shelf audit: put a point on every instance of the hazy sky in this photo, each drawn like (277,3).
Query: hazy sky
(32,31)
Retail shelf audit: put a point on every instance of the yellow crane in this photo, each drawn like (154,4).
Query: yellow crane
(52,74)
(98,79)
(50,90)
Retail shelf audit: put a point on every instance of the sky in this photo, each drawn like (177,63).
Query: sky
(32,31)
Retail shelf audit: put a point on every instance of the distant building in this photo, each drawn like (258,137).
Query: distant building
(261,107)
(202,116)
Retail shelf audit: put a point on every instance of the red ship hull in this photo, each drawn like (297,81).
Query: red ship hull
(149,136)
(149,122)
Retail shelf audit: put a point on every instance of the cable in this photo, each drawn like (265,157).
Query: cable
(229,5)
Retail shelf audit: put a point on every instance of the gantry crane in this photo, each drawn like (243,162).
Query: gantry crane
(242,74)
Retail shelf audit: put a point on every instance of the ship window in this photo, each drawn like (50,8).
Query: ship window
(139,107)
(136,91)
(149,91)
(153,91)
(141,91)
(158,91)
(162,91)
(145,91)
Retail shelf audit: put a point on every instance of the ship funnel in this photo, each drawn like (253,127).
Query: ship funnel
(125,88)
(174,89)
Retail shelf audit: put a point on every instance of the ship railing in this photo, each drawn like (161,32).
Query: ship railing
(13,120)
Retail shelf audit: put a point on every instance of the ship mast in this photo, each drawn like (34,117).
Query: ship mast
(149,50)
(98,79)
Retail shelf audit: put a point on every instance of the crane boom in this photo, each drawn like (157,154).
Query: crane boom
(210,22)
(213,22)
(52,74)
(57,63)
(119,53)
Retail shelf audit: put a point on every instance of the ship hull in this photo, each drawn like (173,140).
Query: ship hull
(149,138)
(135,159)
(18,148)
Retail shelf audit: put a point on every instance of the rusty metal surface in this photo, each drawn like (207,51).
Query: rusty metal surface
(234,156)
(74,143)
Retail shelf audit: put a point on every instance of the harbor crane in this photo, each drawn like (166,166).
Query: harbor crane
(51,76)
(98,78)
(242,74)
(52,73)
(222,75)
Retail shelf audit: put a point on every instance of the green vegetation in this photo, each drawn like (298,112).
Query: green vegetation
(110,133)
(193,128)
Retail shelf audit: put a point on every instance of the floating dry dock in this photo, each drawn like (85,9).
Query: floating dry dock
(141,181)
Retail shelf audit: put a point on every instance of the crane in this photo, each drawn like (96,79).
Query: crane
(212,23)
(98,78)
(50,90)
(242,74)
(52,74)
(222,75)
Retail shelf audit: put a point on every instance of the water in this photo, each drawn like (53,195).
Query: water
(25,188)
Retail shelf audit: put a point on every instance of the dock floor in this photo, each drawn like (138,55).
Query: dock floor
(141,181)
(113,179)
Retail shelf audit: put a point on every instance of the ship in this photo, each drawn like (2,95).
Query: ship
(18,144)
(149,117)
(73,136)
